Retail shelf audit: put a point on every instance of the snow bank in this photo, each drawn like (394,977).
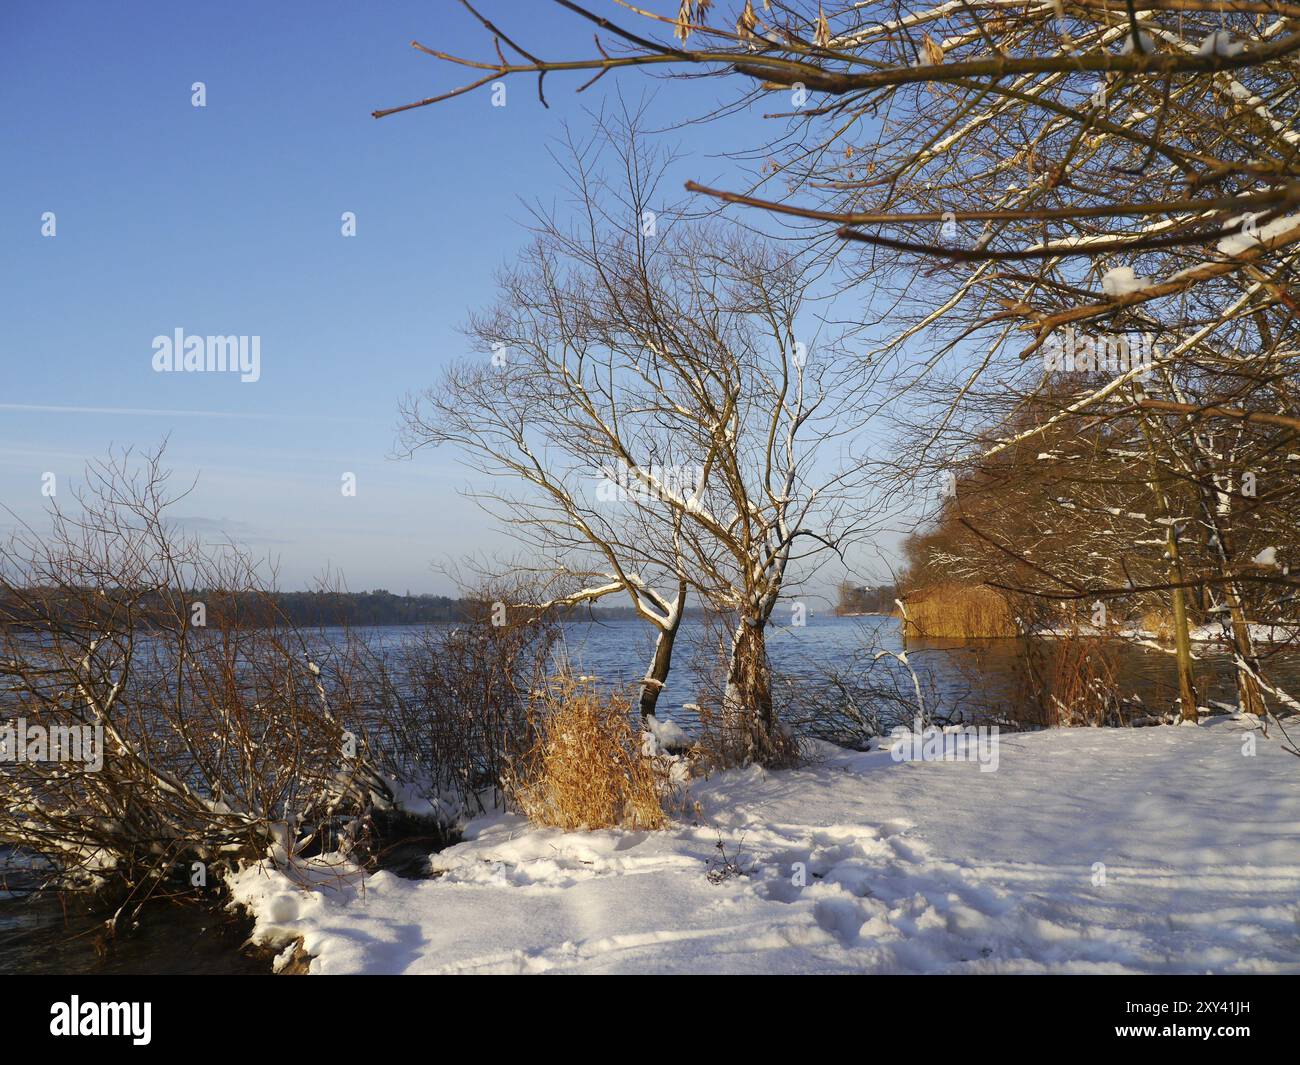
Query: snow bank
(1259,634)
(668,735)
(1093,850)
(1211,633)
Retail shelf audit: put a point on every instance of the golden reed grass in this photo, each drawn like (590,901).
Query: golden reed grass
(1080,686)
(1160,623)
(957,611)
(585,769)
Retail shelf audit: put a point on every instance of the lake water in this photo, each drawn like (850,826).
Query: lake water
(971,678)
(960,678)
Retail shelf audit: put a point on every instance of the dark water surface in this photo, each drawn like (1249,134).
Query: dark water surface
(37,937)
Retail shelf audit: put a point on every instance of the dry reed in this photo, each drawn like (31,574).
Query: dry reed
(958,611)
(586,768)
(1077,684)
(1160,623)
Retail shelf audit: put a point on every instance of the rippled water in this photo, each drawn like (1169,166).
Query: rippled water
(966,676)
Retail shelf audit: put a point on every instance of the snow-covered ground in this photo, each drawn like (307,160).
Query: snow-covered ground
(910,867)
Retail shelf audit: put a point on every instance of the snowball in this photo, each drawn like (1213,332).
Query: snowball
(668,735)
(1121,280)
(1220,43)
(284,909)
(1148,45)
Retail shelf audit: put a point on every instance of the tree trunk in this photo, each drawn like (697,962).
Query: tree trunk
(748,699)
(657,675)
(1217,505)
(1182,638)
(1183,644)
(1249,698)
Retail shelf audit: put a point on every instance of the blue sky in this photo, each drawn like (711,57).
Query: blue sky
(226,220)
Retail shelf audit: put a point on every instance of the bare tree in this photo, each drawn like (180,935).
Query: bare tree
(1012,172)
(652,389)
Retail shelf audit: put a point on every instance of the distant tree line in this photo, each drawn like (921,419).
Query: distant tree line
(32,607)
(861,599)
(377,607)
(35,608)
(382,607)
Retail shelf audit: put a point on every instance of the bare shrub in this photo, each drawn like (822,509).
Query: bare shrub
(586,767)
(454,701)
(730,738)
(726,866)
(216,737)
(872,693)
(225,733)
